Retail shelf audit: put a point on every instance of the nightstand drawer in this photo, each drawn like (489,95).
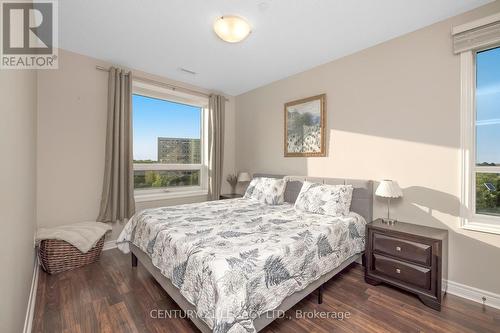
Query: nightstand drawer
(404,249)
(399,270)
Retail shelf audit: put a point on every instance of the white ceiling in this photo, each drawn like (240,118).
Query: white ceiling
(289,36)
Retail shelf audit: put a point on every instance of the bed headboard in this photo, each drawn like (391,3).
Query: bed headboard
(362,196)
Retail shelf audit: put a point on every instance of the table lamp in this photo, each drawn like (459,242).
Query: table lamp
(389,189)
(244,177)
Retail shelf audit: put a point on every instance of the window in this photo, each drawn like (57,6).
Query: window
(169,157)
(487,143)
(477,43)
(481,139)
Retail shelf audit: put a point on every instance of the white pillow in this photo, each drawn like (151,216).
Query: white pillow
(334,200)
(267,190)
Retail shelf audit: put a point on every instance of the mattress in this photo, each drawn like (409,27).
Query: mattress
(236,259)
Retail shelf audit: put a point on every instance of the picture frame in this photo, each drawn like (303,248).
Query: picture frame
(304,127)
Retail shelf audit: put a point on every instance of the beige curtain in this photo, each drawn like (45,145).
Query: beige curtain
(216,108)
(117,201)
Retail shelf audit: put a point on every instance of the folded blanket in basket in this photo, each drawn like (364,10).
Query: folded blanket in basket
(83,235)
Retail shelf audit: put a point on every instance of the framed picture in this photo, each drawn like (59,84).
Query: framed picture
(305,127)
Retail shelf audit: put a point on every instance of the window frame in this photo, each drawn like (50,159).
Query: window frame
(469,219)
(161,193)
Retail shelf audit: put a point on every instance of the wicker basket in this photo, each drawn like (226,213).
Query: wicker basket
(59,256)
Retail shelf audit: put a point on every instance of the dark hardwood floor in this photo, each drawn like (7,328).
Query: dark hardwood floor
(111,296)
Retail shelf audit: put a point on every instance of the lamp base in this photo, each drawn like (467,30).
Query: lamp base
(389,221)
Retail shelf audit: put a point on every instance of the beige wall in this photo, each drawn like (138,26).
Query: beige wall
(392,112)
(17,194)
(71,138)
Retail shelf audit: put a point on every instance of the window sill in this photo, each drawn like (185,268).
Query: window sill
(156,196)
(491,228)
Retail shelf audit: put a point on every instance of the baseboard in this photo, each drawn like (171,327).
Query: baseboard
(473,294)
(30,311)
(108,245)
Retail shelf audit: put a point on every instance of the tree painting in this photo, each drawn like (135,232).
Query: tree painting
(304,127)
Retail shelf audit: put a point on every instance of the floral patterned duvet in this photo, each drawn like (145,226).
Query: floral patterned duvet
(236,259)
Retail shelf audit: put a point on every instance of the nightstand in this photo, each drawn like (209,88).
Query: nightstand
(409,256)
(230,196)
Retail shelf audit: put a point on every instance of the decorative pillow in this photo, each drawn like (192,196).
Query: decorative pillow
(267,190)
(334,200)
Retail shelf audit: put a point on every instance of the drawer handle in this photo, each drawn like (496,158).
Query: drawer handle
(398,248)
(398,271)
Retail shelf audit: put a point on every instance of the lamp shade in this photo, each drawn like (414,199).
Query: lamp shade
(244,177)
(232,29)
(388,189)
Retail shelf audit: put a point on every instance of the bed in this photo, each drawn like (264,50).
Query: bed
(235,265)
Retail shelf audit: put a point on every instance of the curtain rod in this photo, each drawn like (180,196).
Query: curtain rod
(162,84)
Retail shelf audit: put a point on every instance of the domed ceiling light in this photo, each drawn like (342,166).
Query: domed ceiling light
(232,29)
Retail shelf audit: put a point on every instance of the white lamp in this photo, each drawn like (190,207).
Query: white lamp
(244,177)
(389,189)
(232,29)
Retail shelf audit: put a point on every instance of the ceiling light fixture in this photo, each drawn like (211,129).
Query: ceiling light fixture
(232,29)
